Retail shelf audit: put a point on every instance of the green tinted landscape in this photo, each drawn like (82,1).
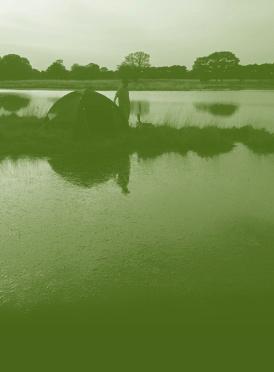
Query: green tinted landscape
(137,184)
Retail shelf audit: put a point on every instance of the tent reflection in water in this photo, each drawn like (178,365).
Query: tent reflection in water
(86,112)
(90,171)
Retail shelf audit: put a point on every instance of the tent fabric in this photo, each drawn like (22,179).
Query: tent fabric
(86,110)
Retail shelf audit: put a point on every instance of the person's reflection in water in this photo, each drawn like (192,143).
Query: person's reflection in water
(122,96)
(123,174)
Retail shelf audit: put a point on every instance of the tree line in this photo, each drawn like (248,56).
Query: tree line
(218,66)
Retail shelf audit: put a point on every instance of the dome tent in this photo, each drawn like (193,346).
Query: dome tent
(86,111)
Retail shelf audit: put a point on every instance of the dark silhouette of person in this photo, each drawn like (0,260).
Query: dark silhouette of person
(123,99)
(123,174)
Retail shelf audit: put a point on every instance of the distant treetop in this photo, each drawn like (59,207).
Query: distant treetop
(137,65)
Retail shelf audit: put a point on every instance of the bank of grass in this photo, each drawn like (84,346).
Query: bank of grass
(140,85)
(31,137)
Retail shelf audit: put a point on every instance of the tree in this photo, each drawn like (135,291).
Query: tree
(77,71)
(217,65)
(90,71)
(165,72)
(105,73)
(139,60)
(15,67)
(255,71)
(134,64)
(36,74)
(177,72)
(57,70)
(93,71)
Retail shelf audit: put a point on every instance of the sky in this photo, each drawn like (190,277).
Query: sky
(105,31)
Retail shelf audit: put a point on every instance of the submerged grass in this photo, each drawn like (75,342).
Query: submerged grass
(29,136)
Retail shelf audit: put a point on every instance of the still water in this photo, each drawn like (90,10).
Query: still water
(201,108)
(193,232)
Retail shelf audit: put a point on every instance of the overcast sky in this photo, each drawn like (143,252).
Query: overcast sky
(104,31)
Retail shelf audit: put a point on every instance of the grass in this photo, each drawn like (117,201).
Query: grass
(30,137)
(141,85)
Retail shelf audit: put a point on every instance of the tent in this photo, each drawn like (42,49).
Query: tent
(86,111)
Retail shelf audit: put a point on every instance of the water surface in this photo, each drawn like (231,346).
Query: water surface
(190,228)
(192,232)
(201,108)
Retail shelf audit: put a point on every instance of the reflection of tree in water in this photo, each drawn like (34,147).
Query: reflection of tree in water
(13,102)
(91,170)
(217,109)
(149,142)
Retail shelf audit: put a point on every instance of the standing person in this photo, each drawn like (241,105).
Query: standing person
(123,99)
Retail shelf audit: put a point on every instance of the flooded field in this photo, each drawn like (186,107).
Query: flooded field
(188,236)
(201,108)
